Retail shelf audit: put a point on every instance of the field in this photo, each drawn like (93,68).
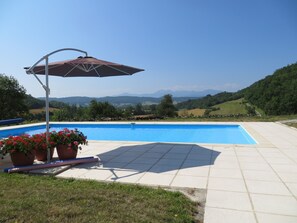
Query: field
(292,124)
(194,112)
(46,199)
(40,110)
(230,107)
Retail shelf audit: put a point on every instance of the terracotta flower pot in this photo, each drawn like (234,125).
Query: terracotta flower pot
(21,159)
(41,155)
(65,152)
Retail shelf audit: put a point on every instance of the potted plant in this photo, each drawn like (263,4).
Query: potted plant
(68,142)
(20,148)
(40,144)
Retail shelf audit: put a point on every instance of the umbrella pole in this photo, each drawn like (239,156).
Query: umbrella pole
(47,110)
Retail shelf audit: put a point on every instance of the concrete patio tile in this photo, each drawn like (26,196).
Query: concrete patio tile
(195,163)
(276,154)
(225,165)
(174,163)
(293,188)
(156,179)
(275,204)
(250,153)
(148,160)
(260,175)
(179,156)
(285,168)
(225,159)
(125,176)
(189,181)
(132,153)
(255,166)
(106,158)
(271,218)
(150,155)
(225,173)
(120,159)
(229,200)
(198,171)
(164,169)
(247,159)
(183,146)
(114,164)
(225,151)
(226,184)
(279,160)
(182,150)
(137,167)
(96,174)
(218,215)
(161,148)
(194,156)
(288,177)
(267,187)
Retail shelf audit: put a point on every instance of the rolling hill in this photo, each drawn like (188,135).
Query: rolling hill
(276,94)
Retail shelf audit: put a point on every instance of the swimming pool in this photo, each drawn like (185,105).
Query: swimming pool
(181,133)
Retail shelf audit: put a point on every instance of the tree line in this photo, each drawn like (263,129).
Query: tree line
(16,103)
(102,111)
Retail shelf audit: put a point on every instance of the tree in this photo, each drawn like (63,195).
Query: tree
(139,109)
(12,96)
(166,107)
(99,110)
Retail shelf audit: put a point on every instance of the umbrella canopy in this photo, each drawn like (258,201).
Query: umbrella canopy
(80,67)
(85,67)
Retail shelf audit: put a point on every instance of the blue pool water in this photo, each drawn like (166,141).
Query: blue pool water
(188,133)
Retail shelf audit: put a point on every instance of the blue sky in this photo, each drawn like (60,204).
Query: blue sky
(181,44)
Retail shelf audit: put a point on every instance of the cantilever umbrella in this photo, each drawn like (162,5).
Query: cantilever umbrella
(80,67)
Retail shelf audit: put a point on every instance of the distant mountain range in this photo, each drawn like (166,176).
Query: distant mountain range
(154,98)
(161,93)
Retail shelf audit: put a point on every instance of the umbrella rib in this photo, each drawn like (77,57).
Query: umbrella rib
(70,70)
(97,72)
(118,69)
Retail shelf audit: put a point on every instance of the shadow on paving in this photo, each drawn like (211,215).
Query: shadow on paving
(154,158)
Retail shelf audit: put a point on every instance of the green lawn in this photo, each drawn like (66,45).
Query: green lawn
(293,124)
(230,107)
(43,199)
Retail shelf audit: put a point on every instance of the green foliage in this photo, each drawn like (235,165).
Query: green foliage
(209,100)
(33,103)
(99,110)
(234,107)
(166,107)
(139,109)
(12,96)
(275,94)
(57,104)
(70,113)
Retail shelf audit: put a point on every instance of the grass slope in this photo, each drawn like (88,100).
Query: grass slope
(230,107)
(40,110)
(194,112)
(26,198)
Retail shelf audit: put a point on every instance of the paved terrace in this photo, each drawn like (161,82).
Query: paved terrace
(254,183)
